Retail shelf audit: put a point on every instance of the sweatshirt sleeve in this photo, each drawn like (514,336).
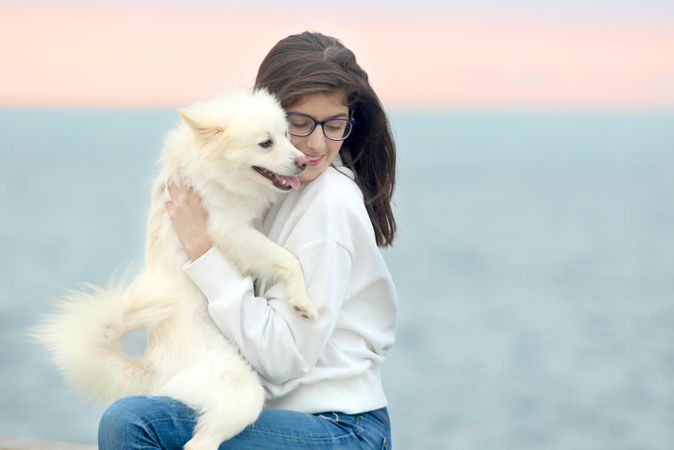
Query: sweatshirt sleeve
(278,343)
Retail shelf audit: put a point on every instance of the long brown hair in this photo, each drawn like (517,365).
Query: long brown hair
(308,63)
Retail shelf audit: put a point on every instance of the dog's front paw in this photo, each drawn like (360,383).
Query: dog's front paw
(303,306)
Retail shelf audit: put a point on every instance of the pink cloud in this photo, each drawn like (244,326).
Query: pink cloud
(123,57)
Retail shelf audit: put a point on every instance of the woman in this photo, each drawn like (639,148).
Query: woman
(322,377)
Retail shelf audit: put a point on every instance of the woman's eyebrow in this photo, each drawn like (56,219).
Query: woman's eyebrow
(343,115)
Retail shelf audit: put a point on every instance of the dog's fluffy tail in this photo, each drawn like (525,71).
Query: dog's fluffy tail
(85,333)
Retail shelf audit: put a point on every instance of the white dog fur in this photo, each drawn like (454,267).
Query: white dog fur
(214,149)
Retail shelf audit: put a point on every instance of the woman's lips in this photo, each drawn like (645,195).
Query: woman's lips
(313,162)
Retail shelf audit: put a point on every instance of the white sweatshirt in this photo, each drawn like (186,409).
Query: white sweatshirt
(331,363)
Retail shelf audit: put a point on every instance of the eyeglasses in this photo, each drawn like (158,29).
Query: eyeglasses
(302,125)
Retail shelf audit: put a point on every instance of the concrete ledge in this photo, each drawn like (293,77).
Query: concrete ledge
(20,443)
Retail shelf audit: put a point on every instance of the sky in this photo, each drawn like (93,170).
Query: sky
(518,53)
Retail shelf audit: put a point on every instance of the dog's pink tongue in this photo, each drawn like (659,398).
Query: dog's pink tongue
(294,182)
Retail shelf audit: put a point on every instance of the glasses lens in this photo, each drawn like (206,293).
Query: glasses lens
(300,125)
(337,129)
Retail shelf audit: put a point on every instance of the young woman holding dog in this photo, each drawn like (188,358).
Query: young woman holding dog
(322,377)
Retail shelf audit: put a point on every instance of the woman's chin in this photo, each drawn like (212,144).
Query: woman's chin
(308,175)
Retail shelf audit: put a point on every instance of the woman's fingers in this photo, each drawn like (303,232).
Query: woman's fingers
(170,208)
(173,190)
(183,197)
(189,218)
(178,192)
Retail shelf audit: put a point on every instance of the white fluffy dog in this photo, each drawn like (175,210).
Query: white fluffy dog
(235,153)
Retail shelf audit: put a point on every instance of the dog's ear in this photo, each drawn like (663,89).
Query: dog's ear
(203,130)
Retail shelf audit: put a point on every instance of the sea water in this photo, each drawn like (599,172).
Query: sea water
(534,264)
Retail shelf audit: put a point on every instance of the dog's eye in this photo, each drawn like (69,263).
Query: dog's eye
(266,144)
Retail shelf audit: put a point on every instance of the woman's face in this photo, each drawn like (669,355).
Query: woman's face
(319,150)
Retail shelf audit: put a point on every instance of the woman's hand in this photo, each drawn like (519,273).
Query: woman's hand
(190,220)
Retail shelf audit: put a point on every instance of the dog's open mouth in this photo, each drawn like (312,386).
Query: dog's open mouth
(282,182)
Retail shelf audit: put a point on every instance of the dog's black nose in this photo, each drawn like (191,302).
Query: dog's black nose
(301,163)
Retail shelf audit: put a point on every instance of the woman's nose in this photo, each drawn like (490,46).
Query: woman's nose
(316,139)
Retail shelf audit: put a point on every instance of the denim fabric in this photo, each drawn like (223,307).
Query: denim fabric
(135,423)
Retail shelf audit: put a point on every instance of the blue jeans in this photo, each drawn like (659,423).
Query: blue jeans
(134,423)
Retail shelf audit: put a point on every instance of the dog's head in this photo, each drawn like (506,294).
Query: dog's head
(242,140)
